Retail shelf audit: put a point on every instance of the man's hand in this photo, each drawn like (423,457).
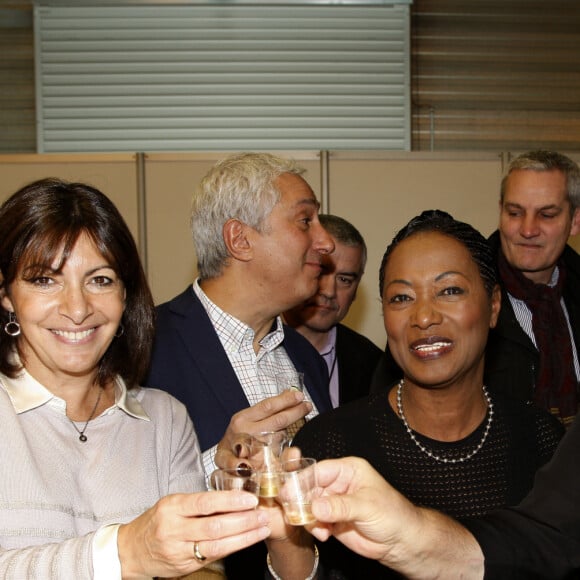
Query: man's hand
(370,517)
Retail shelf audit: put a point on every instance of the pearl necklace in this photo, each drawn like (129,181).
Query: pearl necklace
(430,453)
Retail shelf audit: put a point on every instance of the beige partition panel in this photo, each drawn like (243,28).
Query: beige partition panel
(113,174)
(575,242)
(379,193)
(170,181)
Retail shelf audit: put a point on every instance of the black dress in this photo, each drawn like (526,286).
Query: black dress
(521,439)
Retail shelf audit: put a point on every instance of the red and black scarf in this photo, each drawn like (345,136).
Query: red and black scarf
(557,385)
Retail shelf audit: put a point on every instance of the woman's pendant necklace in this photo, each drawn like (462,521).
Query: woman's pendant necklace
(82,436)
(430,453)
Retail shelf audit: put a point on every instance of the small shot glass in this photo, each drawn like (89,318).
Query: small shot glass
(266,451)
(299,486)
(243,479)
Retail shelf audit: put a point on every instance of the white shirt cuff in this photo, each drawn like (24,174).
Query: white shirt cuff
(209,462)
(106,563)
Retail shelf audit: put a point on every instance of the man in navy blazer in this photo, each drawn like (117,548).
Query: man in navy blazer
(220,344)
(190,362)
(350,357)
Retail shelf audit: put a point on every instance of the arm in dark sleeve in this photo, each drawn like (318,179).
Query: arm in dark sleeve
(540,538)
(517,546)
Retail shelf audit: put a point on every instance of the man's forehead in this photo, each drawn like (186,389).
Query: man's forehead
(346,259)
(531,179)
(536,189)
(299,200)
(295,186)
(309,202)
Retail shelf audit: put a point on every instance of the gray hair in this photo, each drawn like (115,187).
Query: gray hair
(345,233)
(239,187)
(541,160)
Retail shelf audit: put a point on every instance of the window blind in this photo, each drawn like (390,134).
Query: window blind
(235,76)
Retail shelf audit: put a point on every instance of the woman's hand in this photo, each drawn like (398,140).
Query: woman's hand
(270,414)
(162,541)
(291,548)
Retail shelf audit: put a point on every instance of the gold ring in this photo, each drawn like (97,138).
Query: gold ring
(197,554)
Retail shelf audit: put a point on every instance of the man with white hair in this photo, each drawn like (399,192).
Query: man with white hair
(220,343)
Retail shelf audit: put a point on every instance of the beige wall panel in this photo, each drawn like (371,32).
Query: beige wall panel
(575,243)
(379,195)
(171,179)
(114,174)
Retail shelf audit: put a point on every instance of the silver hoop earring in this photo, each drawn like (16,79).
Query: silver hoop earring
(12,328)
(120,331)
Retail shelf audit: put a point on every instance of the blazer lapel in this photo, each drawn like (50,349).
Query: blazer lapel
(204,347)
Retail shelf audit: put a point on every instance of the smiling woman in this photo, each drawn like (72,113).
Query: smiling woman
(438,435)
(68,315)
(91,455)
(41,227)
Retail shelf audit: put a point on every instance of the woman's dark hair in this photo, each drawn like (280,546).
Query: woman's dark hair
(43,221)
(435,220)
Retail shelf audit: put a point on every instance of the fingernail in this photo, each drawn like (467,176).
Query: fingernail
(244,469)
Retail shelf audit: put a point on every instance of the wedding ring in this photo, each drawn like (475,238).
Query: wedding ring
(197,554)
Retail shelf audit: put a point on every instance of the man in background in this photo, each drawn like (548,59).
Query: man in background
(351,357)
(532,352)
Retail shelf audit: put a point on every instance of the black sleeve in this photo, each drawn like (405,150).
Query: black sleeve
(540,538)
(518,547)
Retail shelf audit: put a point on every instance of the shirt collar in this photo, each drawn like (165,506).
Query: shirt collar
(554,278)
(26,393)
(127,400)
(234,334)
(330,343)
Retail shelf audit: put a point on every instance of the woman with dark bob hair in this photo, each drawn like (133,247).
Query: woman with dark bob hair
(102,478)
(438,435)
(41,223)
